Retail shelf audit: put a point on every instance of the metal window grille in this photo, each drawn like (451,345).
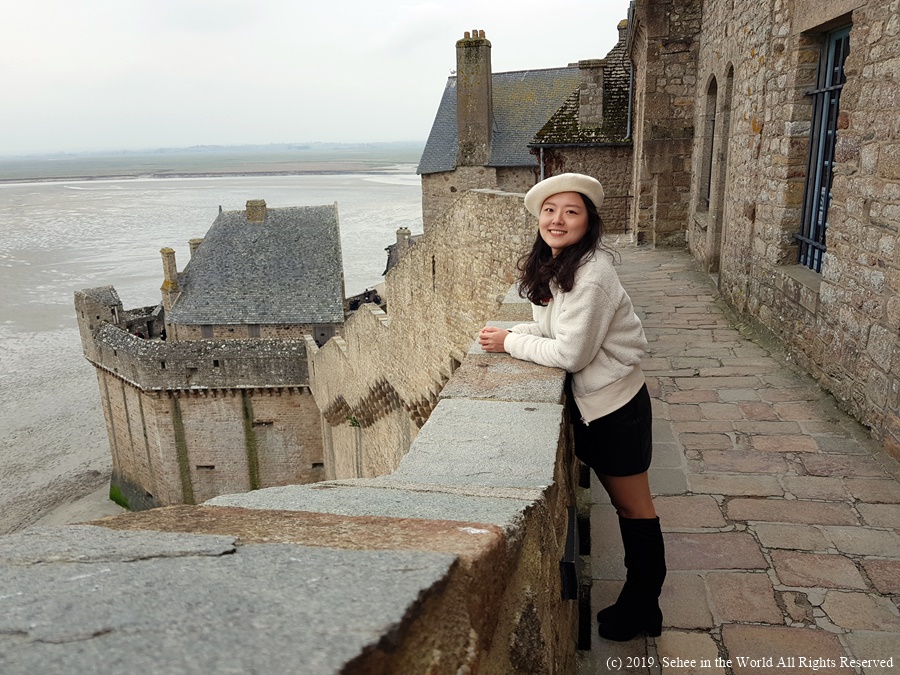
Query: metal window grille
(823,133)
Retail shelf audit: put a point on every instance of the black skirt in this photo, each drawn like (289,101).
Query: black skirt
(617,444)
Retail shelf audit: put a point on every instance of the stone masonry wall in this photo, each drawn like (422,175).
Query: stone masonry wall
(843,325)
(187,446)
(664,53)
(378,384)
(611,165)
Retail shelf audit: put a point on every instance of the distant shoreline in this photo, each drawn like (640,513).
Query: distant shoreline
(200,174)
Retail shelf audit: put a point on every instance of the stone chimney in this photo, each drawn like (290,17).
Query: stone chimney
(590,95)
(623,30)
(474,99)
(169,286)
(194,244)
(403,235)
(256,210)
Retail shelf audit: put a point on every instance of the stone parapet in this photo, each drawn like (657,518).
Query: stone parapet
(208,364)
(449,564)
(377,385)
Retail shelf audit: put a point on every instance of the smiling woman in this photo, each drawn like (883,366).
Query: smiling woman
(584,323)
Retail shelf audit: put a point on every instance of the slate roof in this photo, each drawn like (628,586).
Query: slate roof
(286,270)
(105,295)
(523,102)
(563,127)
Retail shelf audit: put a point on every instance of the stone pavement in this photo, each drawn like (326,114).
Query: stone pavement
(781,516)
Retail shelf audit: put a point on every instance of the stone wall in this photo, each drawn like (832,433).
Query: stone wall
(187,332)
(186,446)
(663,49)
(611,165)
(843,325)
(187,421)
(378,384)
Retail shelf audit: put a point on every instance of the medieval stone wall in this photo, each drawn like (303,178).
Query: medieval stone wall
(756,66)
(177,447)
(377,385)
(664,53)
(611,165)
(242,332)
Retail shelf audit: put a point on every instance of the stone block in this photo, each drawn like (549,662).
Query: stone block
(815,487)
(683,601)
(743,597)
(501,377)
(699,648)
(865,541)
(849,467)
(692,441)
(880,515)
(742,461)
(736,485)
(816,570)
(722,550)
(781,443)
(721,411)
(800,537)
(688,512)
(861,611)
(607,552)
(763,648)
(790,511)
(667,482)
(201,613)
(874,490)
(485,443)
(692,396)
(382,498)
(759,411)
(875,647)
(885,575)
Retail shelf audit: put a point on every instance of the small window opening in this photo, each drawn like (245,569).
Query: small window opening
(162,365)
(318,465)
(253,329)
(206,467)
(822,137)
(206,331)
(215,363)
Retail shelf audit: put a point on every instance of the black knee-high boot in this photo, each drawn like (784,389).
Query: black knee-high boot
(637,608)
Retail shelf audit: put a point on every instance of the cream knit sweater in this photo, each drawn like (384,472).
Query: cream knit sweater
(593,333)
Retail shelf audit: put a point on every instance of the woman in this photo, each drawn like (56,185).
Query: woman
(584,322)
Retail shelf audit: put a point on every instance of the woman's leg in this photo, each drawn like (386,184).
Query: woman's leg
(630,495)
(637,608)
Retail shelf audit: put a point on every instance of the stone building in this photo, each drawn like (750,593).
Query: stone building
(767,139)
(506,131)
(223,404)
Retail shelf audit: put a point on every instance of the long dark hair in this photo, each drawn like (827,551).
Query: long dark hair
(538,267)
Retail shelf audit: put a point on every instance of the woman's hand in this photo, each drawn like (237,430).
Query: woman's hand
(491,339)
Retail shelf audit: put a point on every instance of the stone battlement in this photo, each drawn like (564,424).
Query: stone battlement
(208,364)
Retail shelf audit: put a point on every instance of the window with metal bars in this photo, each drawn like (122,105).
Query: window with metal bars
(822,136)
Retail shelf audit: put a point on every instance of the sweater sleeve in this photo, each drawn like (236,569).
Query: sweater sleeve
(580,329)
(526,329)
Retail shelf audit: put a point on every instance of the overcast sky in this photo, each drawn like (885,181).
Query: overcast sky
(132,74)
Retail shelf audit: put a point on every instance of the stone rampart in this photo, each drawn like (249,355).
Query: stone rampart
(378,384)
(449,565)
(208,364)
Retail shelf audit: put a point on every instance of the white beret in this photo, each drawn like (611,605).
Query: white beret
(564,182)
